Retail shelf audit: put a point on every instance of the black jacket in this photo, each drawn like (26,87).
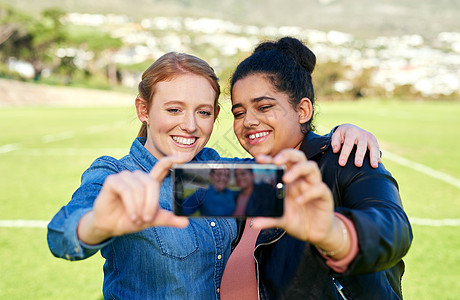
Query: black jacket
(288,268)
(263,201)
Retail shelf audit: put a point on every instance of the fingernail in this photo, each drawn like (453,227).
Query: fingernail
(342,161)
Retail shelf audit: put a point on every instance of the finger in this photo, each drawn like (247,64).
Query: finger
(347,147)
(167,218)
(116,185)
(374,152)
(360,153)
(288,157)
(161,168)
(265,223)
(337,139)
(317,192)
(294,190)
(264,159)
(307,172)
(135,189)
(150,197)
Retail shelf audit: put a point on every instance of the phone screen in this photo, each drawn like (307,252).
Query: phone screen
(228,190)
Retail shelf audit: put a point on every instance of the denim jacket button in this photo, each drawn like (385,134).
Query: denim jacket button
(213,224)
(219,256)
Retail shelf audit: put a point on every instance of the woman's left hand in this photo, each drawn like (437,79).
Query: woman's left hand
(309,206)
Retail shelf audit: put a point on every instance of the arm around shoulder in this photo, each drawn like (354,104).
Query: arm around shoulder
(370,199)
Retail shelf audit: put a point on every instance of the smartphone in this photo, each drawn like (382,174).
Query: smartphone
(228,190)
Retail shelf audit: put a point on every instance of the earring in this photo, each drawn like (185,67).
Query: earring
(145,123)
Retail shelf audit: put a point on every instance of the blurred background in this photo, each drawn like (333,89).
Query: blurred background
(402,48)
(68,79)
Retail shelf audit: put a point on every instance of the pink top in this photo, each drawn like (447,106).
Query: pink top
(239,279)
(241,204)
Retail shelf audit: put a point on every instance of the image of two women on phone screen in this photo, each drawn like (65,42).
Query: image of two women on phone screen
(246,195)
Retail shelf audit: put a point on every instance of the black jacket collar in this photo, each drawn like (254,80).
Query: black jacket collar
(314,144)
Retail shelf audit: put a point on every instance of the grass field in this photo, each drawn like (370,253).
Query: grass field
(43,152)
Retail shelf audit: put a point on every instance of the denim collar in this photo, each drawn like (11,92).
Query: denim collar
(146,160)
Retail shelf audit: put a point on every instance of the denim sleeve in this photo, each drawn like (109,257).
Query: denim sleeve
(62,236)
(237,160)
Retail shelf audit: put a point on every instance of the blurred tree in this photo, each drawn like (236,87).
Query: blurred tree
(100,45)
(31,40)
(325,75)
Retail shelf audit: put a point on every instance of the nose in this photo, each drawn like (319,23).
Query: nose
(188,123)
(250,119)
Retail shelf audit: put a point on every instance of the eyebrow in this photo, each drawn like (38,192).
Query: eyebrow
(169,102)
(254,100)
(180,102)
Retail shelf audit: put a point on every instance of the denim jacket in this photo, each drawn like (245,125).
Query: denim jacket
(158,262)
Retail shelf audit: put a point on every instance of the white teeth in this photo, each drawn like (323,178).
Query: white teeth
(184,141)
(258,135)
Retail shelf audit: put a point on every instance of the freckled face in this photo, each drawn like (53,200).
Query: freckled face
(181,117)
(264,120)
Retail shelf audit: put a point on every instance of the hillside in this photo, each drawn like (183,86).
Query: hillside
(360,17)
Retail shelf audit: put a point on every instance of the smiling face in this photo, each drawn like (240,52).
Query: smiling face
(244,179)
(220,179)
(181,116)
(264,120)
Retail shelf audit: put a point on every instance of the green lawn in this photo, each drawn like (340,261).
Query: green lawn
(51,147)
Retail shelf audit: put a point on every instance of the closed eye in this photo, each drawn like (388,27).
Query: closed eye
(238,114)
(173,110)
(265,107)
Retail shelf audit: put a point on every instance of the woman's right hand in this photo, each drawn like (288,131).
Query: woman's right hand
(309,205)
(129,202)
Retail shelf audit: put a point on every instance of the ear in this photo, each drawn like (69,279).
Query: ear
(142,109)
(217,112)
(305,110)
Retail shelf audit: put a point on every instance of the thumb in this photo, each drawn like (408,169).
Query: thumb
(161,168)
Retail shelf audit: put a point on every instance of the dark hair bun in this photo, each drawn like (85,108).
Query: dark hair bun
(291,47)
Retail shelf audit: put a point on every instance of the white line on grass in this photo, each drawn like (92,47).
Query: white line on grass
(434,222)
(9,147)
(421,168)
(63,136)
(24,223)
(58,136)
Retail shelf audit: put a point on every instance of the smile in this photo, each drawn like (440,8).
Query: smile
(258,135)
(183,140)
